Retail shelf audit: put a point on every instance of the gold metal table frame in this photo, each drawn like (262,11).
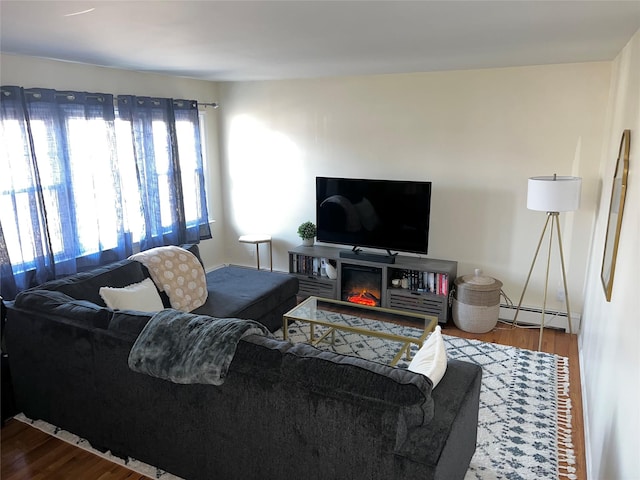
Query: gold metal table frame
(307,311)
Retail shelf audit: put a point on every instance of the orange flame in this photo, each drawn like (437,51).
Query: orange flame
(362,299)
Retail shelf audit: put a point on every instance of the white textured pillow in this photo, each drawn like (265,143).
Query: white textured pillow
(141,296)
(431,359)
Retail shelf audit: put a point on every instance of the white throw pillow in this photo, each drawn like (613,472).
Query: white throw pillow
(431,359)
(141,296)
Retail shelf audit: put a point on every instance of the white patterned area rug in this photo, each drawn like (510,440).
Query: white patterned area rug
(524,425)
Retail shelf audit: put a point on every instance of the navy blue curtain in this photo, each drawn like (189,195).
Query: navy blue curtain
(81,187)
(187,121)
(9,288)
(162,159)
(21,192)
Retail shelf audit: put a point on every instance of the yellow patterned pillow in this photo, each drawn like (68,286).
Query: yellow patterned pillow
(177,272)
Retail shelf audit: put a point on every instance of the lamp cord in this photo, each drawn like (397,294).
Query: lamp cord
(509,303)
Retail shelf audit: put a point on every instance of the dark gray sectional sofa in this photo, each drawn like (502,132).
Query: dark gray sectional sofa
(284,412)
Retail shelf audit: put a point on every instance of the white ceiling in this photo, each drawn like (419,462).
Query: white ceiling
(261,40)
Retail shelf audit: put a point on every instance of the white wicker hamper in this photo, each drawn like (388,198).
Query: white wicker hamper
(476,305)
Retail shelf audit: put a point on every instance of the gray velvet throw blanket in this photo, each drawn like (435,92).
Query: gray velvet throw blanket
(187,348)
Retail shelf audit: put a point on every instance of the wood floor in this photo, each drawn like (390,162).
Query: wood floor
(28,454)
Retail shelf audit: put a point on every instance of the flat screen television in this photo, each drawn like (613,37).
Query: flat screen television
(392,215)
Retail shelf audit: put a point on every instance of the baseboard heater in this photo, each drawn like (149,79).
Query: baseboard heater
(533,316)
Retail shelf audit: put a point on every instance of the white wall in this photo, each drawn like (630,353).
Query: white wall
(610,338)
(35,72)
(477,135)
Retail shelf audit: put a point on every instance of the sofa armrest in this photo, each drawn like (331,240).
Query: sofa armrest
(449,440)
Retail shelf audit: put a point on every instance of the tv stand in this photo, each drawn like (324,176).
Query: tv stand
(357,254)
(429,282)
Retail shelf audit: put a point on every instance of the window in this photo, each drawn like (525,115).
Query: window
(88,182)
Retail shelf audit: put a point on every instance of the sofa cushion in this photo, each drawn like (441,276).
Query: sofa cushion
(52,302)
(245,293)
(129,322)
(335,374)
(86,285)
(261,355)
(142,296)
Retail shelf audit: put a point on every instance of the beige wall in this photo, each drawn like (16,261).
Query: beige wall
(35,72)
(477,135)
(610,337)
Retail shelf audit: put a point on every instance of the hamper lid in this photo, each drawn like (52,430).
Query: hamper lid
(479,282)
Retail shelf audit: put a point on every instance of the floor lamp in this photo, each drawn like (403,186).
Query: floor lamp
(552,195)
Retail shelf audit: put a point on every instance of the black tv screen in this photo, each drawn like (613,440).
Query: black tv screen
(386,214)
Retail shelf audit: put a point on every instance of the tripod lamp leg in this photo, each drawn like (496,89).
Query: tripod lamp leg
(535,256)
(546,281)
(564,277)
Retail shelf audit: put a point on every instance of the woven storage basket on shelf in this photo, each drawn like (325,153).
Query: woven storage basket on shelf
(476,306)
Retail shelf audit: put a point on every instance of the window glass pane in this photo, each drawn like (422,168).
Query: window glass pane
(16,228)
(46,152)
(133,219)
(14,158)
(205,165)
(45,148)
(16,190)
(162,162)
(19,232)
(185,132)
(94,193)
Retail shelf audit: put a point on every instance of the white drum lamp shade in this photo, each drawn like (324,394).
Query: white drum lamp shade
(554,193)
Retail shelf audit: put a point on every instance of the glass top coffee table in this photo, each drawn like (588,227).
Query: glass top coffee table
(361,319)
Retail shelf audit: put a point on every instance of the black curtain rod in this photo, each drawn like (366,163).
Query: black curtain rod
(115,97)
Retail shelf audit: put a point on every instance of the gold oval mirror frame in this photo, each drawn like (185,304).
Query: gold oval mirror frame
(616,208)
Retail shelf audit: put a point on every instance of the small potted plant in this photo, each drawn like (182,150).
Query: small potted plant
(307,232)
